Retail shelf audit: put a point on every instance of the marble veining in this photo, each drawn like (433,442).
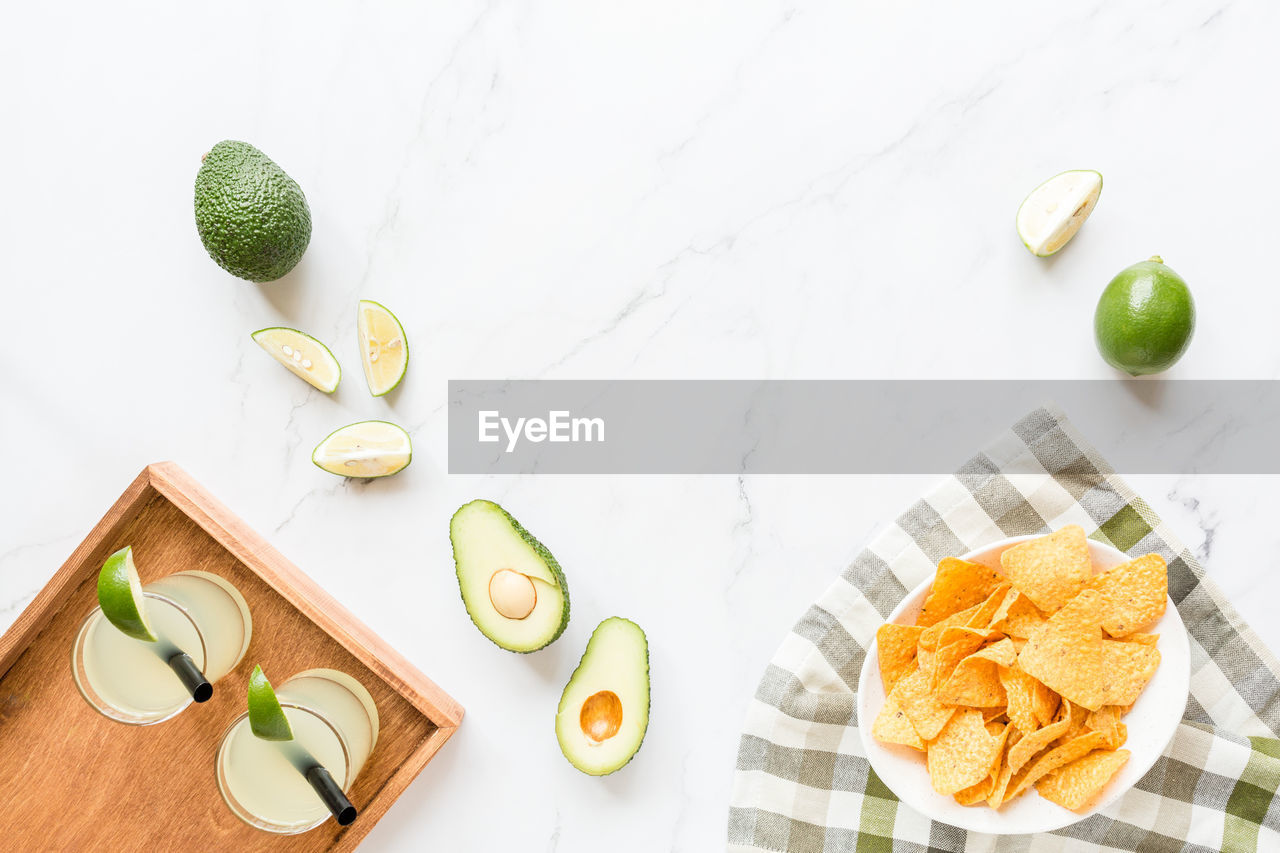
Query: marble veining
(716,189)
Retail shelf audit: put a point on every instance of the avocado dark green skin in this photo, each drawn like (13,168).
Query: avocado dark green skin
(253,218)
(543,554)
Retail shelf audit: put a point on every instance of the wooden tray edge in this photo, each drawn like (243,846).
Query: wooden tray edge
(391,790)
(37,614)
(293,585)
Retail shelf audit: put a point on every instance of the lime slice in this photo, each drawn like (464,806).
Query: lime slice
(303,355)
(365,449)
(266,717)
(383,347)
(1056,209)
(120,595)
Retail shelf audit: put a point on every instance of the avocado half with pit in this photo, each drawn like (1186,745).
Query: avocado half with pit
(604,710)
(513,589)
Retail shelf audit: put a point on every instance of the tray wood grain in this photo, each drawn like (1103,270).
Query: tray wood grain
(75,780)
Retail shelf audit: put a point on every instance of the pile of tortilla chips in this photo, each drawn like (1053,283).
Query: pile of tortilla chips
(1020,676)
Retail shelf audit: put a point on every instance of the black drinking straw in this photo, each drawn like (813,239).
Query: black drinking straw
(190,676)
(336,801)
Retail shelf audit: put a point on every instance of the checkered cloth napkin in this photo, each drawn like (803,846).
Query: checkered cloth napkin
(803,784)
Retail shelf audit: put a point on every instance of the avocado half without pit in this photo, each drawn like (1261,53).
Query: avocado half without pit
(513,589)
(604,710)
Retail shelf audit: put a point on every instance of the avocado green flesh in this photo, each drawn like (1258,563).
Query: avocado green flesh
(486,539)
(253,218)
(617,661)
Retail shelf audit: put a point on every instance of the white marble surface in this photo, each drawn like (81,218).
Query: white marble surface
(669,189)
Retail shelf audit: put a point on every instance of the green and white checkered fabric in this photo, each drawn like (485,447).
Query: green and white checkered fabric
(803,784)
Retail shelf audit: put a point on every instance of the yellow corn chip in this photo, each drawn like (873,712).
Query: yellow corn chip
(981,617)
(925,660)
(1078,784)
(892,726)
(1019,691)
(896,648)
(955,645)
(1136,593)
(929,637)
(976,793)
(957,586)
(1068,656)
(1129,667)
(1031,743)
(1050,570)
(1145,639)
(975,681)
(927,714)
(1045,702)
(1053,759)
(963,753)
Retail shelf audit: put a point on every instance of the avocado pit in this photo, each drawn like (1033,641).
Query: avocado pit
(601,716)
(512,594)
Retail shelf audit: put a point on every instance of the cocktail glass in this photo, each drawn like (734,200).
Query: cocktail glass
(129,680)
(335,725)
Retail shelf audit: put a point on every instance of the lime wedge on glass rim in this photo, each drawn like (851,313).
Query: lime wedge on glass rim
(120,596)
(305,356)
(365,449)
(266,717)
(384,350)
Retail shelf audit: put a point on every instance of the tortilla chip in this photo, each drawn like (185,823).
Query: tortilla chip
(925,660)
(963,753)
(1129,666)
(896,649)
(975,681)
(1053,759)
(958,585)
(975,794)
(1136,593)
(981,617)
(1145,639)
(892,726)
(1077,785)
(1019,689)
(1017,616)
(929,637)
(1068,656)
(927,714)
(1050,570)
(1033,742)
(956,645)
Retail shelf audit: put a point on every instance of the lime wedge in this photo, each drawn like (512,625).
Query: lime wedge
(266,717)
(365,449)
(120,594)
(383,347)
(1055,210)
(303,355)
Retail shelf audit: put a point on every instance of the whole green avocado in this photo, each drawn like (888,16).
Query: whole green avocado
(253,218)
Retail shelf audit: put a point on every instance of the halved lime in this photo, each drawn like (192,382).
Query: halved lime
(1055,210)
(384,350)
(303,355)
(120,595)
(364,449)
(266,717)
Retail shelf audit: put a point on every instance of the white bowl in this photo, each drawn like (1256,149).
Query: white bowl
(1151,723)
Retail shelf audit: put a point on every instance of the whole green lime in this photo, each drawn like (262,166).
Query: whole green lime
(1145,318)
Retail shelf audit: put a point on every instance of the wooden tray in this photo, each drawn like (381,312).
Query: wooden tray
(75,780)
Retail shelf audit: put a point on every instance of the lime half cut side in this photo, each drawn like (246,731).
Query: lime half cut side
(266,717)
(120,596)
(365,449)
(384,349)
(1055,210)
(305,356)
